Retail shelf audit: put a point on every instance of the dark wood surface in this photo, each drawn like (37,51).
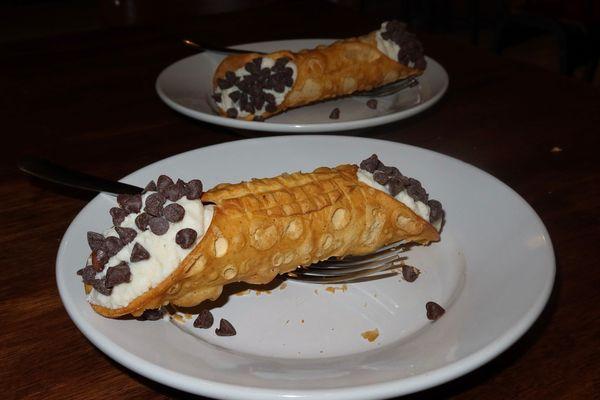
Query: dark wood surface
(87,100)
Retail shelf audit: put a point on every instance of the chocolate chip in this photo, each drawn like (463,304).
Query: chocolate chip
(280,63)
(118,215)
(224,84)
(288,81)
(142,220)
(235,96)
(370,164)
(230,77)
(231,113)
(154,204)
(436,212)
(174,212)
(151,315)
(126,234)
(158,225)
(100,286)
(252,67)
(434,310)
(163,182)
(186,238)
(99,259)
(175,191)
(118,274)
(392,172)
(410,273)
(139,253)
(193,189)
(204,320)
(95,240)
(395,186)
(113,245)
(217,97)
(335,113)
(225,328)
(150,187)
(88,274)
(416,191)
(381,177)
(372,104)
(271,108)
(130,203)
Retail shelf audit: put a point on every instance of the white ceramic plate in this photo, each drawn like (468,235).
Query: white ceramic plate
(186,86)
(493,271)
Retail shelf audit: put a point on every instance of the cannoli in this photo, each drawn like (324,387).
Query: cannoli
(176,245)
(254,86)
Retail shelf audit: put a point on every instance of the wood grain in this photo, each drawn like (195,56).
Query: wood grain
(87,100)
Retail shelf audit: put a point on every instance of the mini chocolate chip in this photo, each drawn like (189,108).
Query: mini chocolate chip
(174,212)
(126,234)
(113,245)
(151,315)
(99,259)
(270,98)
(186,238)
(88,274)
(279,87)
(370,164)
(434,310)
(224,84)
(381,177)
(271,108)
(251,67)
(230,76)
(288,81)
(142,220)
(287,72)
(231,113)
(150,187)
(258,118)
(416,191)
(193,189)
(335,113)
(95,240)
(225,328)
(235,96)
(139,253)
(154,204)
(410,273)
(436,211)
(118,274)
(217,97)
(395,186)
(118,215)
(372,104)
(392,172)
(204,320)
(100,286)
(280,62)
(175,191)
(163,183)
(158,225)
(130,203)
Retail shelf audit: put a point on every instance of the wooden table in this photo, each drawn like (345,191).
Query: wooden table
(87,100)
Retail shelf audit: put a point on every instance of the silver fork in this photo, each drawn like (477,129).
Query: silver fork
(347,269)
(381,91)
(381,263)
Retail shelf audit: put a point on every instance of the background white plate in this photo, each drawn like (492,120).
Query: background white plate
(186,86)
(493,272)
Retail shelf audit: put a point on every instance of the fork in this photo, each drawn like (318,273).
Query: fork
(381,91)
(333,270)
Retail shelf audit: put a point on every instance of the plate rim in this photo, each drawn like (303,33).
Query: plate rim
(294,128)
(399,387)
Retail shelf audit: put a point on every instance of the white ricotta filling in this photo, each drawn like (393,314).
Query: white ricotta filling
(165,253)
(418,207)
(226,102)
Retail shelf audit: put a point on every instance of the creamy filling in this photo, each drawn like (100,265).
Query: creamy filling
(418,207)
(165,253)
(227,102)
(387,46)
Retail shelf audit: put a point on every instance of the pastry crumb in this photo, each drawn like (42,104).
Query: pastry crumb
(302,321)
(187,316)
(555,149)
(283,286)
(333,289)
(243,292)
(370,335)
(316,291)
(177,317)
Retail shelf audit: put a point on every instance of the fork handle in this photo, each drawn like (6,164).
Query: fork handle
(55,173)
